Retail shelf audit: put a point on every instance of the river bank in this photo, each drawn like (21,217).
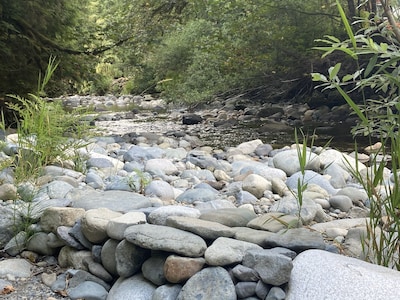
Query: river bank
(164,215)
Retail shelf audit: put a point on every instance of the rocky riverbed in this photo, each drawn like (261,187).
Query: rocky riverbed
(159,213)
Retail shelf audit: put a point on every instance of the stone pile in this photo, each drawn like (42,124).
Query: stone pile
(165,217)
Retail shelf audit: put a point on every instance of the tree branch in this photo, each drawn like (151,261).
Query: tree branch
(32,34)
(392,21)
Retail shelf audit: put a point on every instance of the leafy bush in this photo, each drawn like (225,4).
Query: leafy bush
(379,117)
(45,130)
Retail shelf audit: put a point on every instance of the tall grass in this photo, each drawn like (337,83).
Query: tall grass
(378,117)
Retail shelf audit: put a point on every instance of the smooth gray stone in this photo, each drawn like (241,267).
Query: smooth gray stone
(164,238)
(139,154)
(153,269)
(97,269)
(76,232)
(196,195)
(212,283)
(245,289)
(108,259)
(121,201)
(205,229)
(251,235)
(310,177)
(225,251)
(167,292)
(80,276)
(273,268)
(159,215)
(276,293)
(200,174)
(17,244)
(16,267)
(60,284)
(341,202)
(160,189)
(129,258)
(262,289)
(320,274)
(94,180)
(7,222)
(99,162)
(232,217)
(245,273)
(132,288)
(63,234)
(296,239)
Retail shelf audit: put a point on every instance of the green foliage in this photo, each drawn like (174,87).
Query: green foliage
(378,82)
(44,131)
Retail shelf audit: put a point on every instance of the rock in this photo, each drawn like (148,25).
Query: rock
(254,167)
(8,191)
(167,292)
(129,258)
(163,238)
(245,289)
(17,244)
(153,268)
(63,234)
(140,154)
(120,201)
(206,229)
(60,216)
(160,215)
(87,290)
(116,226)
(308,178)
(94,224)
(249,147)
(191,119)
(97,269)
(345,161)
(107,256)
(70,257)
(251,235)
(7,222)
(343,224)
(179,269)
(243,273)
(232,217)
(341,202)
(79,276)
(276,293)
(16,267)
(196,195)
(296,239)
(288,161)
(159,166)
(358,196)
(319,273)
(274,222)
(77,234)
(226,251)
(132,288)
(256,185)
(160,189)
(212,283)
(273,268)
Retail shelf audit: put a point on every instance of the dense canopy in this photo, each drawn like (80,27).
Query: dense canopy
(189,51)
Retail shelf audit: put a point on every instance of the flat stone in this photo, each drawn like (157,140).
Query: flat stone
(320,274)
(296,239)
(251,235)
(129,258)
(159,215)
(273,268)
(225,251)
(94,224)
(232,217)
(121,201)
(179,269)
(135,287)
(15,267)
(59,216)
(153,268)
(164,238)
(167,292)
(116,226)
(212,283)
(342,224)
(274,222)
(88,290)
(205,229)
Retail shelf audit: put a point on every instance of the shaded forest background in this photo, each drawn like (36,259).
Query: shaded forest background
(187,51)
